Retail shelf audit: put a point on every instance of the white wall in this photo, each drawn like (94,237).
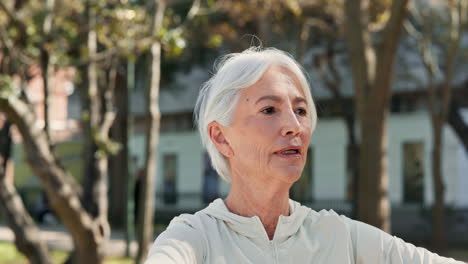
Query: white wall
(329,160)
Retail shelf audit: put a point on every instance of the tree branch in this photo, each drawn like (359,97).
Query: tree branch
(456,25)
(388,47)
(320,24)
(16,53)
(194,11)
(14,18)
(360,50)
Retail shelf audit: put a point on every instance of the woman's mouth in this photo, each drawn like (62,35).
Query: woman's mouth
(289,153)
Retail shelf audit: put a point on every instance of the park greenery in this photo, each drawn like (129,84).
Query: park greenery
(104,39)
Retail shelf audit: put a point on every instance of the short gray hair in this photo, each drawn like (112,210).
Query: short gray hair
(219,95)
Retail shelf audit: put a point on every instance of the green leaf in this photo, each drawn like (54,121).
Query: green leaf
(6,86)
(215,41)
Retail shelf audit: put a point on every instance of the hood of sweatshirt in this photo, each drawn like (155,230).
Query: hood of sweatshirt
(252,227)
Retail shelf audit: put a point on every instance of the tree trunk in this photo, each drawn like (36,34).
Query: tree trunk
(372,74)
(101,117)
(353,160)
(27,236)
(118,180)
(46,70)
(374,206)
(439,237)
(94,176)
(147,195)
(439,105)
(97,121)
(46,66)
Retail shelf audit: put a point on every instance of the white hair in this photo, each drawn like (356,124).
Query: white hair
(219,95)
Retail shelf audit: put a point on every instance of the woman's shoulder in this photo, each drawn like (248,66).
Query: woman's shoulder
(341,224)
(183,241)
(187,221)
(328,222)
(328,217)
(187,226)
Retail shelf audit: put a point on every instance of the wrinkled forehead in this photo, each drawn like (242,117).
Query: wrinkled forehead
(289,77)
(274,79)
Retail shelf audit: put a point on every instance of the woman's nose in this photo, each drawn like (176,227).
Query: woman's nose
(290,124)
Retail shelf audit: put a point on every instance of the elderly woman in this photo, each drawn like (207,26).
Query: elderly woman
(255,117)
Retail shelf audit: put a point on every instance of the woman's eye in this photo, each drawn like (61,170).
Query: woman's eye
(301,111)
(268,111)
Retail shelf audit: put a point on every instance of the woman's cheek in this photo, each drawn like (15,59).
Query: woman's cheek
(267,128)
(257,149)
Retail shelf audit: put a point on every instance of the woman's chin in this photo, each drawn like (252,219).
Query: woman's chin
(289,174)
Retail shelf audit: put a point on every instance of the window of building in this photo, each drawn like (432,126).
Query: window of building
(413,172)
(170,178)
(182,122)
(301,191)
(210,180)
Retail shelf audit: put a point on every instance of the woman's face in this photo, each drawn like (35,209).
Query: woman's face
(270,130)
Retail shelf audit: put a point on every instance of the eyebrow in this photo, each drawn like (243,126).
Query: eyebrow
(275,98)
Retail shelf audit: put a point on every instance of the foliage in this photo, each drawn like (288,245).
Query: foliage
(6,86)
(68,152)
(123,29)
(10,255)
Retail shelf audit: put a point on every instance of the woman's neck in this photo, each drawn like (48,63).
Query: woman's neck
(263,201)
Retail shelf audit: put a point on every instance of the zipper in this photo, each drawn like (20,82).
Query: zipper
(275,252)
(274,242)
(271,243)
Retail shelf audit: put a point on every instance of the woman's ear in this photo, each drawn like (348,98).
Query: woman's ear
(215,130)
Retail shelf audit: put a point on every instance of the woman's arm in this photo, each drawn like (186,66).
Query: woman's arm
(373,245)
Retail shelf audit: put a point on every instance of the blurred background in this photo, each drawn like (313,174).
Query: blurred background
(99,150)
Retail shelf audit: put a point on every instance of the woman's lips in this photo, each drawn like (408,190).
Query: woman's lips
(289,153)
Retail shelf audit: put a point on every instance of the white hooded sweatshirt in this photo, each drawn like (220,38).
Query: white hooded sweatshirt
(216,236)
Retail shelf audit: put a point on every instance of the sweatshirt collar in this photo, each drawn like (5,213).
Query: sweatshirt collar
(252,227)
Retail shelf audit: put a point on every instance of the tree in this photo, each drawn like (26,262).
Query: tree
(119,182)
(59,186)
(146,197)
(372,67)
(46,63)
(439,97)
(26,233)
(27,237)
(86,221)
(119,31)
(146,201)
